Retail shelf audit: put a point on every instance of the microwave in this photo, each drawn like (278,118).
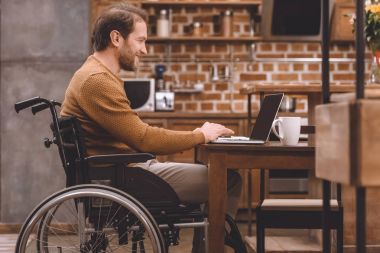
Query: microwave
(141,93)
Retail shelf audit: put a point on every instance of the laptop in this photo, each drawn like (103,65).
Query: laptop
(261,130)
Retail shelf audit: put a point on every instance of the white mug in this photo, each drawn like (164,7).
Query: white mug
(289,129)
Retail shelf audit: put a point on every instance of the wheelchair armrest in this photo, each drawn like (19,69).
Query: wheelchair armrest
(120,158)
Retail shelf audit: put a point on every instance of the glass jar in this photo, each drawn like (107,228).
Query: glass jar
(163,24)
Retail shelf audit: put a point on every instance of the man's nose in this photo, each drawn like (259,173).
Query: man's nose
(143,49)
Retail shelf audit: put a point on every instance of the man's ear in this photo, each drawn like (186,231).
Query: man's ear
(115,38)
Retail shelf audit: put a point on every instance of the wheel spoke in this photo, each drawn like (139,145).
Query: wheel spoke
(75,223)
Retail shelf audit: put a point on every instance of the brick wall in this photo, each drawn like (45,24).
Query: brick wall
(191,62)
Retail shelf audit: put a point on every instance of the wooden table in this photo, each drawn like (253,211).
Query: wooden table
(219,157)
(314,95)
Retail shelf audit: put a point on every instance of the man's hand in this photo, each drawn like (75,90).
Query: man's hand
(211,131)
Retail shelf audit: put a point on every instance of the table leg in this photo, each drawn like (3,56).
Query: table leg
(249,202)
(217,178)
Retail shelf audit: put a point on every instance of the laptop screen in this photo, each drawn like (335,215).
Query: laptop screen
(268,111)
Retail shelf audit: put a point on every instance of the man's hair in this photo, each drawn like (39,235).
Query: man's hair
(120,17)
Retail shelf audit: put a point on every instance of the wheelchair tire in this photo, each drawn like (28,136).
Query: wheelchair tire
(90,218)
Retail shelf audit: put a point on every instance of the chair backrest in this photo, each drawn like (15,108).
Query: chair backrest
(141,184)
(72,149)
(69,137)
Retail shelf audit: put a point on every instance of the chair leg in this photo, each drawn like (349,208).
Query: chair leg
(199,242)
(206,235)
(260,234)
(339,233)
(142,247)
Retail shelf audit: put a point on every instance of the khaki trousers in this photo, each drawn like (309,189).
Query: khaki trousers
(190,182)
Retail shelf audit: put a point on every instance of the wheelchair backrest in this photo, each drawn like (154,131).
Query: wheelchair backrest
(141,184)
(71,149)
(69,138)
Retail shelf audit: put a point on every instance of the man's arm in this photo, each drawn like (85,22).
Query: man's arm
(104,101)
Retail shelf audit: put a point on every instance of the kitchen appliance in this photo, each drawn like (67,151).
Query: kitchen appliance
(160,83)
(288,104)
(165,101)
(292,20)
(141,93)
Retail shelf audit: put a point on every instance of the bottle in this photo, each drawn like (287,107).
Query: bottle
(227,72)
(197,29)
(227,25)
(163,24)
(214,72)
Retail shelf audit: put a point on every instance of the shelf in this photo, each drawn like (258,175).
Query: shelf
(205,39)
(203,3)
(188,90)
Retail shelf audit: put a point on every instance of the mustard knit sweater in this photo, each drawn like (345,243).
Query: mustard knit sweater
(96,97)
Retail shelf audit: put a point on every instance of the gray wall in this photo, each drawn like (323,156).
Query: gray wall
(42,43)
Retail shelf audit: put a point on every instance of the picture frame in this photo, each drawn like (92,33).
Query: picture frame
(341,28)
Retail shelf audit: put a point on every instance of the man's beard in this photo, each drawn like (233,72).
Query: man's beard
(127,60)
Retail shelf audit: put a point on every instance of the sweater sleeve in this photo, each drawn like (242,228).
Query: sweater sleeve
(105,102)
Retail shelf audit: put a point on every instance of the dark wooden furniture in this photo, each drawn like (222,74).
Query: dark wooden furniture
(348,137)
(296,214)
(219,157)
(344,94)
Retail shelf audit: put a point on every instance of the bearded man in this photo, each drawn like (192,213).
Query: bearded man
(96,97)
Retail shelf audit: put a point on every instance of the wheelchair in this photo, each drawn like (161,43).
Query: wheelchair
(107,206)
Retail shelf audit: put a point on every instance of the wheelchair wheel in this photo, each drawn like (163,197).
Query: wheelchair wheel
(90,219)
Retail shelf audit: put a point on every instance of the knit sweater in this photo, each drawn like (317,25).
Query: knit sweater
(96,97)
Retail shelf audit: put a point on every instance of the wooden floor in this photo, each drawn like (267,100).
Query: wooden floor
(289,241)
(286,244)
(7,243)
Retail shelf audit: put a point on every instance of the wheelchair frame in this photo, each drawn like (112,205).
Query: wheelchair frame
(160,220)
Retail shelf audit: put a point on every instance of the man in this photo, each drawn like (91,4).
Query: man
(96,97)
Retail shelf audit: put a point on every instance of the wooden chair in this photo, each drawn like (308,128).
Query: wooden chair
(295,213)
